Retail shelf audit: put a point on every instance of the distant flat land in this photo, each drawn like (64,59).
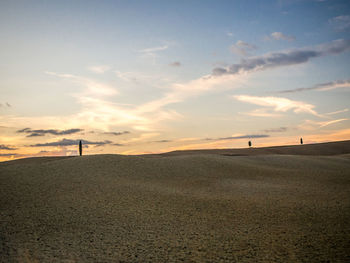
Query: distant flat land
(273,204)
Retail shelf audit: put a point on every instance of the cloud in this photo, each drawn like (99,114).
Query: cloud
(35,133)
(337,112)
(99,69)
(23,130)
(152,52)
(340,23)
(99,111)
(326,123)
(280,129)
(279,104)
(175,64)
(118,144)
(8,154)
(162,141)
(8,105)
(6,147)
(68,142)
(252,136)
(154,49)
(126,76)
(179,92)
(117,133)
(242,48)
(95,88)
(229,34)
(143,79)
(311,125)
(279,36)
(283,58)
(323,86)
(261,113)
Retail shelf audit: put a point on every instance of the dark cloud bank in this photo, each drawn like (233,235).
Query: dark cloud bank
(284,58)
(68,142)
(6,147)
(35,133)
(7,154)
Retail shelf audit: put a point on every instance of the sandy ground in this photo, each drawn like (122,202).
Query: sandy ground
(191,208)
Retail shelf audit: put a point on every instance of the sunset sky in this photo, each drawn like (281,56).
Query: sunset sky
(133,77)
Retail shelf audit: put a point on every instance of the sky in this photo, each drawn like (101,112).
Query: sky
(135,77)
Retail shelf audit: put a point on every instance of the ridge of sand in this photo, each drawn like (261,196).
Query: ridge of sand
(327,148)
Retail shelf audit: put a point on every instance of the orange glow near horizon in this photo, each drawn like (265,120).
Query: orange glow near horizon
(27,152)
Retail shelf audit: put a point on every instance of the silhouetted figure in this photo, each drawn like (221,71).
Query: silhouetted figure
(80,148)
(301,140)
(250,144)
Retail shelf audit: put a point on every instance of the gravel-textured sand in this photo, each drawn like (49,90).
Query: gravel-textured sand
(191,208)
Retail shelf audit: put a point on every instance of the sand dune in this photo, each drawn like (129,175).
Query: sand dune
(208,206)
(329,148)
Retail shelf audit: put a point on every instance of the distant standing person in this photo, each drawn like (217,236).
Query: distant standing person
(80,148)
(301,140)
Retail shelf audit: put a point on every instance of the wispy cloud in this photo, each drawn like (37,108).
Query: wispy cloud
(93,87)
(279,104)
(326,123)
(279,36)
(152,52)
(181,91)
(141,138)
(252,136)
(284,58)
(337,112)
(263,112)
(68,142)
(133,76)
(103,113)
(41,132)
(117,133)
(99,69)
(97,110)
(242,48)
(272,130)
(311,125)
(323,86)
(154,49)
(143,79)
(340,23)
